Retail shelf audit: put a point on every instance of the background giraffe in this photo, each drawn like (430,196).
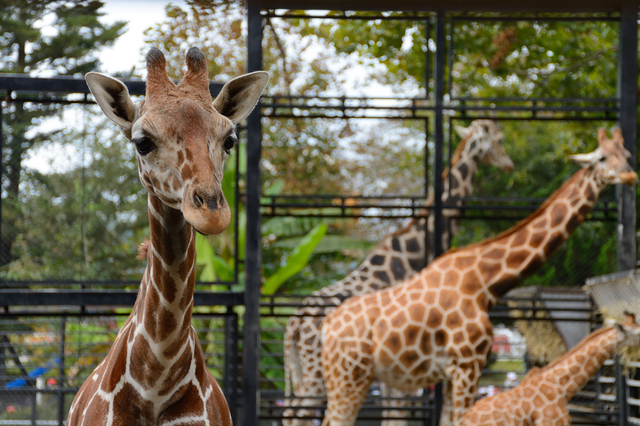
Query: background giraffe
(398,257)
(155,372)
(436,325)
(543,396)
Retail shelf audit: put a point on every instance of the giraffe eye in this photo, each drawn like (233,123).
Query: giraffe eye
(229,143)
(144,145)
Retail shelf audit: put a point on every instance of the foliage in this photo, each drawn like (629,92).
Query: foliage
(296,260)
(498,59)
(67,48)
(85,221)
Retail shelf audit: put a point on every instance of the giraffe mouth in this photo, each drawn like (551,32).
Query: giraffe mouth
(629,178)
(207,212)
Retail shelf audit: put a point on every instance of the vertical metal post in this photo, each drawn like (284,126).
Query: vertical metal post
(438,75)
(621,393)
(231,361)
(61,376)
(2,255)
(628,98)
(251,335)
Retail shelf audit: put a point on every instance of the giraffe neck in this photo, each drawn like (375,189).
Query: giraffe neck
(572,371)
(163,309)
(520,251)
(458,180)
(402,254)
(397,257)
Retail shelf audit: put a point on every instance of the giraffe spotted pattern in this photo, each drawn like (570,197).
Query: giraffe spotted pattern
(435,326)
(398,257)
(155,373)
(543,396)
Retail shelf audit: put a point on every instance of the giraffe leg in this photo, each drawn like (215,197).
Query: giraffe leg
(388,391)
(446,415)
(306,366)
(348,375)
(464,387)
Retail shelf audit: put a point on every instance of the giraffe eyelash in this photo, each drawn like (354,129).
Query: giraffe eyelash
(144,145)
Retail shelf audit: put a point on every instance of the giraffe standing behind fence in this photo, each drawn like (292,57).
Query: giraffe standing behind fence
(543,396)
(436,325)
(398,257)
(155,372)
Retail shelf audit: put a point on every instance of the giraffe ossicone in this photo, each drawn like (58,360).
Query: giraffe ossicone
(397,257)
(544,394)
(155,372)
(435,326)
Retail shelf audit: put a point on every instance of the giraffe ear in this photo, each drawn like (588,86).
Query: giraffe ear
(462,131)
(585,160)
(113,97)
(239,96)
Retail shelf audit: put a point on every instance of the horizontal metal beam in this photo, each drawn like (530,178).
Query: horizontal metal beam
(66,84)
(54,297)
(452,5)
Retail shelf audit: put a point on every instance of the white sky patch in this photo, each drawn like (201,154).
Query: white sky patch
(140,15)
(125,54)
(55,157)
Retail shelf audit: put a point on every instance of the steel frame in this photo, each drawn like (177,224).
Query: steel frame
(621,109)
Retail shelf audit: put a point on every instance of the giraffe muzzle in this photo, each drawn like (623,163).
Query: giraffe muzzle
(207,211)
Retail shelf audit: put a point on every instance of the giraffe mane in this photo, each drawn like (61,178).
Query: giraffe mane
(526,221)
(143,250)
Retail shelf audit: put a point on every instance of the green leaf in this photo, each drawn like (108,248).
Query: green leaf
(329,244)
(208,273)
(223,270)
(297,260)
(204,251)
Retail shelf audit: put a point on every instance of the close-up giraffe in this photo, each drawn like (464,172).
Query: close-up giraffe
(543,396)
(397,257)
(435,326)
(155,372)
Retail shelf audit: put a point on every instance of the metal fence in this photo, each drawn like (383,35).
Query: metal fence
(59,328)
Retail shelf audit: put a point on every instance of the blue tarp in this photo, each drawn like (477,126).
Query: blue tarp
(33,374)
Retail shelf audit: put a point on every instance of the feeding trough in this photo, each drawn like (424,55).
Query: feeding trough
(615,294)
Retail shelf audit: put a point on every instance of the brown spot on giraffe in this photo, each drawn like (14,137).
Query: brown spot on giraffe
(147,373)
(434,318)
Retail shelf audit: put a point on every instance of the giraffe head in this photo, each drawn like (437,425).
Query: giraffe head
(610,160)
(483,141)
(181,137)
(629,330)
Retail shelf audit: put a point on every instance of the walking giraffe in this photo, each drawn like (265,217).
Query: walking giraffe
(398,257)
(155,372)
(435,326)
(543,396)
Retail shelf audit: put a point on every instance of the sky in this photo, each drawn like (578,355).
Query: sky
(140,15)
(122,56)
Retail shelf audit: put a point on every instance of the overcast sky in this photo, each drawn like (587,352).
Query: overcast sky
(140,15)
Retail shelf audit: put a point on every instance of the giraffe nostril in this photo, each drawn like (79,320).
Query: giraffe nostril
(197,200)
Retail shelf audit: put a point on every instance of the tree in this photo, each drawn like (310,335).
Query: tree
(69,48)
(84,222)
(547,59)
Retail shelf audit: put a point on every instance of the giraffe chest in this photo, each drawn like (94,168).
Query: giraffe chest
(410,369)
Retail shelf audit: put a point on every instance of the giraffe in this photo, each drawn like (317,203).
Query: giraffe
(435,326)
(543,396)
(397,257)
(155,372)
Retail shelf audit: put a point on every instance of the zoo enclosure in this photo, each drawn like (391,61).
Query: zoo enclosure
(78,300)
